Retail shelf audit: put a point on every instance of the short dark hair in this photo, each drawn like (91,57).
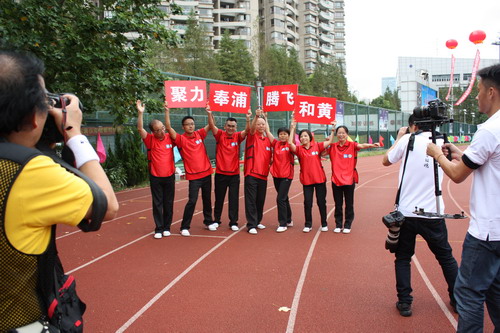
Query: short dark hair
(342,126)
(411,120)
(308,133)
(231,119)
(186,118)
(490,76)
(21,93)
(283,129)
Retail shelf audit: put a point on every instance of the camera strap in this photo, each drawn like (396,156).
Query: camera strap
(409,147)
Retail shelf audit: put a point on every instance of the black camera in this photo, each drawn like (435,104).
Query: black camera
(435,110)
(51,134)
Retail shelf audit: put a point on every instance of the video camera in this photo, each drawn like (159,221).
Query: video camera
(433,113)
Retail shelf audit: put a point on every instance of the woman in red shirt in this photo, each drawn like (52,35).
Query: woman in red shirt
(282,172)
(312,175)
(343,156)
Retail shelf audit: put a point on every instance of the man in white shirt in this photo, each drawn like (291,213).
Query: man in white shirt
(418,190)
(478,280)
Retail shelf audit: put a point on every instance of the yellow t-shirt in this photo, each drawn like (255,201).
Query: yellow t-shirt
(42,195)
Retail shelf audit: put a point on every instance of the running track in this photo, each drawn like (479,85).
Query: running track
(226,281)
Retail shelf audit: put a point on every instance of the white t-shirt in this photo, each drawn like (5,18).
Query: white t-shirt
(418,188)
(485,192)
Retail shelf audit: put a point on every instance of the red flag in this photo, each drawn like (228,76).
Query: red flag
(475,66)
(101,151)
(381,140)
(370,141)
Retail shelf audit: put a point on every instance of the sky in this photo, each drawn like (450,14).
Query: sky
(380,31)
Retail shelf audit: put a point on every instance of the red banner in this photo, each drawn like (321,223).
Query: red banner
(228,98)
(472,79)
(315,110)
(186,94)
(452,74)
(280,98)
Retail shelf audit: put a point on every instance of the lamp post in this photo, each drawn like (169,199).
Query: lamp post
(465,113)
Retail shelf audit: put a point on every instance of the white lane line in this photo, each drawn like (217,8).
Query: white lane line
(435,294)
(180,276)
(302,279)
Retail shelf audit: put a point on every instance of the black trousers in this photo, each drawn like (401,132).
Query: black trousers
(282,186)
(320,200)
(222,184)
(436,235)
(205,184)
(163,193)
(255,197)
(339,193)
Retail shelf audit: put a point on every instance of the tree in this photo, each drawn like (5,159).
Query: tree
(94,51)
(329,81)
(464,111)
(279,66)
(390,100)
(234,60)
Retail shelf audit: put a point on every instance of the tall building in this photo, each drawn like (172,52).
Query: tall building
(314,28)
(419,79)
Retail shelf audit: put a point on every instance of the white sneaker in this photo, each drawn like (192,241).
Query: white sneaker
(346,231)
(252,231)
(281,229)
(157,235)
(324,228)
(185,232)
(213,226)
(166,233)
(234,228)
(261,226)
(337,230)
(306,229)
(290,224)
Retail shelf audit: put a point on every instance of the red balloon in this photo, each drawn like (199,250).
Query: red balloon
(477,37)
(451,44)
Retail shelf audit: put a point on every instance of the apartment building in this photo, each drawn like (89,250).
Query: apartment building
(314,28)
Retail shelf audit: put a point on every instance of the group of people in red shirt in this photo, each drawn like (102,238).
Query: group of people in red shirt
(264,154)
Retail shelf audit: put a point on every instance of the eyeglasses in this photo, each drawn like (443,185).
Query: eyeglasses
(159,129)
(188,124)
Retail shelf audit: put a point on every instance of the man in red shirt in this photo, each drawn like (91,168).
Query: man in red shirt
(161,171)
(257,164)
(197,167)
(227,167)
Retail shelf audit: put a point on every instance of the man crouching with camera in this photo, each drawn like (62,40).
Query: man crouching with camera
(37,193)
(417,189)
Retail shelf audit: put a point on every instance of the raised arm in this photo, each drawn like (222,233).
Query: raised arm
(330,137)
(140,119)
(253,125)
(211,121)
(210,118)
(291,137)
(247,125)
(168,126)
(268,130)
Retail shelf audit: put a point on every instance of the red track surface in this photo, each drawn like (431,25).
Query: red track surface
(224,281)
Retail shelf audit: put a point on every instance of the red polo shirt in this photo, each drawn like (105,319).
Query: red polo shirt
(282,166)
(194,155)
(160,155)
(311,169)
(343,159)
(257,156)
(227,158)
